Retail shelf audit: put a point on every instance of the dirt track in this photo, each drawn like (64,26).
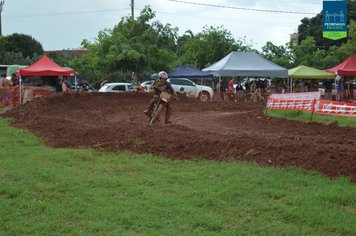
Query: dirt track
(214,131)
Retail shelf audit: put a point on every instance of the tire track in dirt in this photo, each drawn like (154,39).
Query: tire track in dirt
(213,131)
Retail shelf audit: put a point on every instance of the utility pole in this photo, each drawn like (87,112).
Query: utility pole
(2,2)
(132,5)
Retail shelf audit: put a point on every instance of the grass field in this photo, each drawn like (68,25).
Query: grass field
(46,191)
(306,117)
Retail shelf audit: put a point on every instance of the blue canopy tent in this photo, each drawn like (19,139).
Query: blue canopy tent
(190,73)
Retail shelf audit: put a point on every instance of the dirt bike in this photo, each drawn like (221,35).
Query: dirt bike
(158,107)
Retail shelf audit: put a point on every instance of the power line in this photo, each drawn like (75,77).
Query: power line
(243,8)
(69,13)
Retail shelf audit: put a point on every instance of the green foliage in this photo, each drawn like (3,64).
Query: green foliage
(12,58)
(131,46)
(209,46)
(281,55)
(22,43)
(304,52)
(306,117)
(61,57)
(19,49)
(308,54)
(45,191)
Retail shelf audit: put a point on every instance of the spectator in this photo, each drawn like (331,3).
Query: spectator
(301,86)
(328,89)
(139,88)
(239,91)
(64,84)
(307,86)
(230,90)
(349,91)
(217,96)
(222,90)
(259,87)
(341,89)
(5,86)
(247,90)
(15,80)
(253,86)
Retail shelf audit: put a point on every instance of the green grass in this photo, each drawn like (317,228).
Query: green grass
(46,191)
(306,117)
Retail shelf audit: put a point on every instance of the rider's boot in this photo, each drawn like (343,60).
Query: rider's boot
(150,106)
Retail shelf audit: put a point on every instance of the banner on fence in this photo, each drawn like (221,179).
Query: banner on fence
(320,106)
(298,96)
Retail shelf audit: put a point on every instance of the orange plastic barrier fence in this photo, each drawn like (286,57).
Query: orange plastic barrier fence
(317,106)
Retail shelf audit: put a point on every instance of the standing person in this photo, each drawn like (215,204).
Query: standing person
(352,91)
(5,91)
(301,86)
(230,90)
(139,88)
(222,90)
(239,91)
(217,96)
(247,90)
(15,90)
(341,89)
(64,84)
(258,92)
(15,80)
(328,90)
(161,85)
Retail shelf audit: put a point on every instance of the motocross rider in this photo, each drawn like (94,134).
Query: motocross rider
(159,85)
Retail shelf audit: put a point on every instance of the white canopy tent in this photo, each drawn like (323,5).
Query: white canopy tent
(248,64)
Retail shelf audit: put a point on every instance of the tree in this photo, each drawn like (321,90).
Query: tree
(133,45)
(280,55)
(22,43)
(210,45)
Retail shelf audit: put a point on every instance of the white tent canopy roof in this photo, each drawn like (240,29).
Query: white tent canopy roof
(246,64)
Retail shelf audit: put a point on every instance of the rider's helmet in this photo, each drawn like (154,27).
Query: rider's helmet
(163,75)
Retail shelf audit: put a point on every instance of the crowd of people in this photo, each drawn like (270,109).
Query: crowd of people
(10,91)
(250,90)
(339,89)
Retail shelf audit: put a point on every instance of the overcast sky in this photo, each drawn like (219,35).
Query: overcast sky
(63,24)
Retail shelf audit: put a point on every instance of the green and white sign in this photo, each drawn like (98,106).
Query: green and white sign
(334,19)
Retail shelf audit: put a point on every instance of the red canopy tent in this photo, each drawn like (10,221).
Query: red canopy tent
(45,67)
(345,68)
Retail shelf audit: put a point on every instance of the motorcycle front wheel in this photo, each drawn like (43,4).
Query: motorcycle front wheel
(157,113)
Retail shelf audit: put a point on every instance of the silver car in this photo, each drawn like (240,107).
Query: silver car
(117,87)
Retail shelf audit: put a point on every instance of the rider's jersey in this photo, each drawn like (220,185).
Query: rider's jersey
(162,85)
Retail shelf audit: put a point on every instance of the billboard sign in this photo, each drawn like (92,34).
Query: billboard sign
(334,19)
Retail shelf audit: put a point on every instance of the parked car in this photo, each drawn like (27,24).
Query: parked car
(191,89)
(116,87)
(147,86)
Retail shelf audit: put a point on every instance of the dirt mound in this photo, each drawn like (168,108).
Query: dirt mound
(214,131)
